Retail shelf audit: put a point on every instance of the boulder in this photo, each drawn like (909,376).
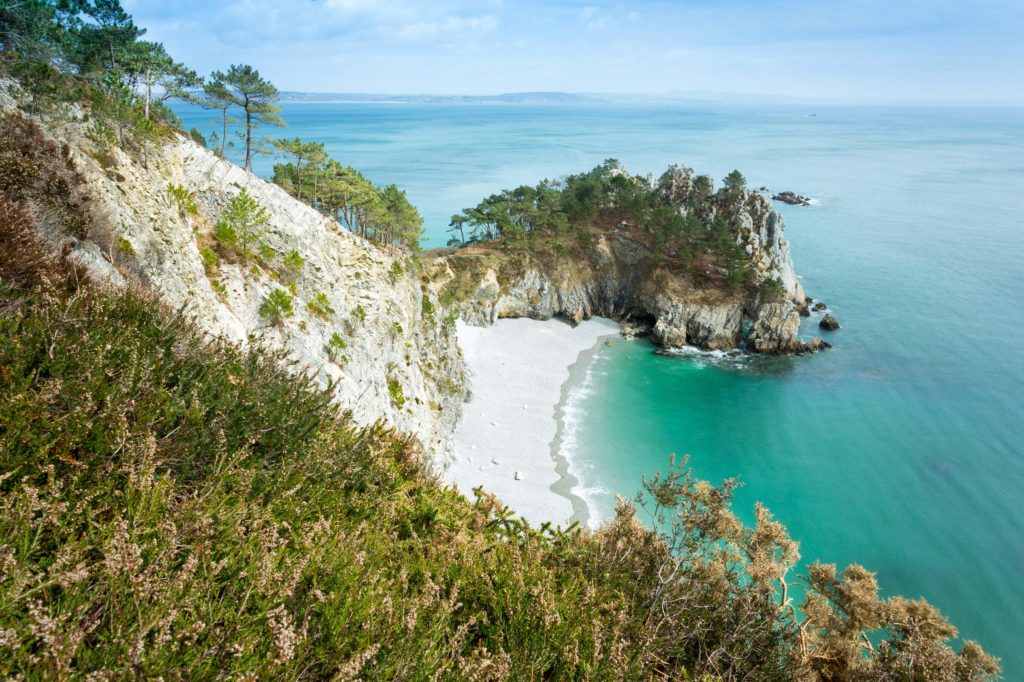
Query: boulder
(819,306)
(829,322)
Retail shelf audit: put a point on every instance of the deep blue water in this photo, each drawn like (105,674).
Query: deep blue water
(903,448)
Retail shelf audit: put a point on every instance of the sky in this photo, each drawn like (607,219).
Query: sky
(853,50)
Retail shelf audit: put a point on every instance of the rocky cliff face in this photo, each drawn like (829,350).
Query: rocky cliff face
(393,358)
(622,280)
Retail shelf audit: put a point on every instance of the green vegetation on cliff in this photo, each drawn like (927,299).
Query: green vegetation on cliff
(689,228)
(178,509)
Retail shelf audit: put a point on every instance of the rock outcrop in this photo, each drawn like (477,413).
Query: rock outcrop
(792,198)
(621,279)
(393,357)
(829,322)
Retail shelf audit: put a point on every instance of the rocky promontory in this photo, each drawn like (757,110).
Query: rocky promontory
(616,275)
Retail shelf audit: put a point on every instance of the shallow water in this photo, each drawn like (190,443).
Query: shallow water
(902,448)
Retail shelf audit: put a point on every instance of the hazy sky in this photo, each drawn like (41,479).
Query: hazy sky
(941,50)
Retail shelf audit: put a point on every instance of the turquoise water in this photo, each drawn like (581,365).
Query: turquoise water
(902,448)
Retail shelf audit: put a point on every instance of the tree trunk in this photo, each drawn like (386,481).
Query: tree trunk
(298,177)
(248,141)
(223,136)
(224,133)
(149,93)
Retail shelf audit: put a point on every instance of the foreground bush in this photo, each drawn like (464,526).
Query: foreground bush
(171,508)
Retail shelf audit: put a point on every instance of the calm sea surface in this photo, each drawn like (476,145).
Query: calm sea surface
(903,448)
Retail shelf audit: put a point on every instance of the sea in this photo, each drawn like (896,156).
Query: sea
(902,448)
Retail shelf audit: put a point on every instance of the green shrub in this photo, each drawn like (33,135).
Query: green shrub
(359,313)
(183,198)
(124,247)
(197,137)
(335,346)
(772,289)
(219,288)
(320,306)
(209,257)
(396,392)
(293,262)
(242,226)
(427,307)
(276,306)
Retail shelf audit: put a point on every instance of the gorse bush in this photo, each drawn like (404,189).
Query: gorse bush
(174,509)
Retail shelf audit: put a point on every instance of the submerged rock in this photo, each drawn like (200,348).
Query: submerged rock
(829,322)
(819,306)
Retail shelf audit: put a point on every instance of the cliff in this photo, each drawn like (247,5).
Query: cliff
(392,358)
(617,276)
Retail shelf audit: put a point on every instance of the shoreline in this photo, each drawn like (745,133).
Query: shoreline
(524,373)
(569,484)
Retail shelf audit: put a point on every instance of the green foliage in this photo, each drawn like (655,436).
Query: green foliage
(209,257)
(320,306)
(359,313)
(293,262)
(276,306)
(335,346)
(428,307)
(197,136)
(241,227)
(772,289)
(308,157)
(735,181)
(124,247)
(451,318)
(243,86)
(396,271)
(676,216)
(184,199)
(175,509)
(381,214)
(396,392)
(90,54)
(219,288)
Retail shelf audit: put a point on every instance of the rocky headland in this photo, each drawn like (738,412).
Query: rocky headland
(617,276)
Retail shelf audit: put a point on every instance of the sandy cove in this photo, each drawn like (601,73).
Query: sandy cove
(519,368)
